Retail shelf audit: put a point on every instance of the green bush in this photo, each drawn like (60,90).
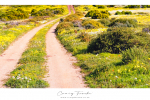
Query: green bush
(99,16)
(91,13)
(115,40)
(86,8)
(145,6)
(42,12)
(63,25)
(13,14)
(80,14)
(105,22)
(134,53)
(124,23)
(123,13)
(72,18)
(100,6)
(132,6)
(47,12)
(89,24)
(85,37)
(95,14)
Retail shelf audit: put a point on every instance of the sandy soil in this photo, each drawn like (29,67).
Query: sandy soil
(10,58)
(62,73)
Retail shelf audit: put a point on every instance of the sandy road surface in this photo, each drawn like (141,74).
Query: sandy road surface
(62,74)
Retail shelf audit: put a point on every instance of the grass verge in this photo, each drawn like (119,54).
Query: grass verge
(106,70)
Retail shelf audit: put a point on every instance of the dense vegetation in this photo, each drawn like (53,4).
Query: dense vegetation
(115,55)
(12,14)
(137,6)
(95,14)
(124,23)
(123,13)
(15,12)
(47,12)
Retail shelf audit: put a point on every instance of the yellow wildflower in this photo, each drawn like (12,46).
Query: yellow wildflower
(119,71)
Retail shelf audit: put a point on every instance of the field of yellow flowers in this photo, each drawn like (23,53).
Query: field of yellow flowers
(7,36)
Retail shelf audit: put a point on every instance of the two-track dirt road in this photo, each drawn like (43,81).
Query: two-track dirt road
(62,73)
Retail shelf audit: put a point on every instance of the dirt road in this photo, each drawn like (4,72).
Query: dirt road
(10,58)
(62,73)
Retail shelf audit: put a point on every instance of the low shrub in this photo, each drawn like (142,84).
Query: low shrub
(105,22)
(72,18)
(100,6)
(134,53)
(89,24)
(132,6)
(86,8)
(115,40)
(64,25)
(85,37)
(124,23)
(61,20)
(78,13)
(47,12)
(95,14)
(123,13)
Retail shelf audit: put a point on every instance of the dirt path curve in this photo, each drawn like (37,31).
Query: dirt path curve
(11,56)
(62,74)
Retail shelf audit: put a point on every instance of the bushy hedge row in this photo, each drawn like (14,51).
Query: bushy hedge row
(132,6)
(12,14)
(137,6)
(47,12)
(123,22)
(123,13)
(95,14)
(116,40)
(100,6)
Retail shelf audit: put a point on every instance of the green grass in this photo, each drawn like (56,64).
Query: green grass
(106,70)
(31,67)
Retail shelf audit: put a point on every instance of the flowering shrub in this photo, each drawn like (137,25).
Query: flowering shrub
(95,14)
(90,24)
(72,18)
(63,25)
(12,14)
